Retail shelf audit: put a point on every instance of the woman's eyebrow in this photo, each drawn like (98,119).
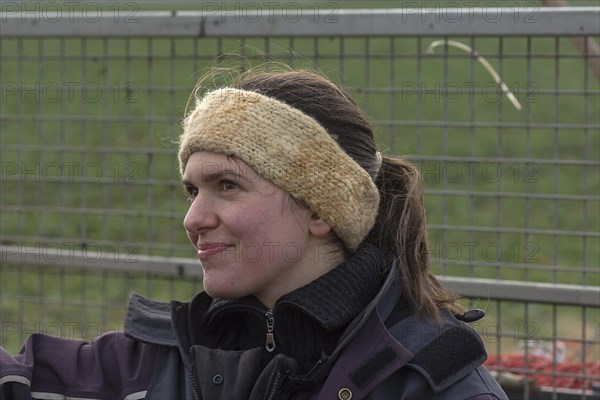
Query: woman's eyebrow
(217,175)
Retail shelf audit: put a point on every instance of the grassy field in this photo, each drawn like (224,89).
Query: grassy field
(94,167)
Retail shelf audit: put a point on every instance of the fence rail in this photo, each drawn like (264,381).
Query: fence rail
(409,21)
(184,268)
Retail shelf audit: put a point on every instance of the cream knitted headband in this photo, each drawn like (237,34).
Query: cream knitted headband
(289,149)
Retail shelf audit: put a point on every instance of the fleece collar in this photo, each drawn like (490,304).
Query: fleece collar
(332,300)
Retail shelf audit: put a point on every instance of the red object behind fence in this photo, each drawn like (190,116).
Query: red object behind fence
(542,370)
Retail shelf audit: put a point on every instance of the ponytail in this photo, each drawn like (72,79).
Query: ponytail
(402,229)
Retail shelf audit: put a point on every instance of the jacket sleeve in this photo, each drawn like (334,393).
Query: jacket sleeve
(111,367)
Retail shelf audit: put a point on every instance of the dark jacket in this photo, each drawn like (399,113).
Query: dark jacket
(386,352)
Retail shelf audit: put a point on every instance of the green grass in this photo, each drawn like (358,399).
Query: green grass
(136,175)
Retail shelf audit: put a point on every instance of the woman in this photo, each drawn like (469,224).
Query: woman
(316,274)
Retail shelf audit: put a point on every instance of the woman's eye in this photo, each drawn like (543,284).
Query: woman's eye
(191,192)
(228,185)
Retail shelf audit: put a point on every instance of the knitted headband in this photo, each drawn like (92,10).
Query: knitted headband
(289,149)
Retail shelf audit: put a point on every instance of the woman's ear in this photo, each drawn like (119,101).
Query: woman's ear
(318,227)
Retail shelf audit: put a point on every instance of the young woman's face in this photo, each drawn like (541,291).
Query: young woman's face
(250,237)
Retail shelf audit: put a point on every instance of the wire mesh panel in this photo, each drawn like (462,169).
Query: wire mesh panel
(91,200)
(538,358)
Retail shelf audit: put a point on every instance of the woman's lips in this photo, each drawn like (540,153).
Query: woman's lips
(205,251)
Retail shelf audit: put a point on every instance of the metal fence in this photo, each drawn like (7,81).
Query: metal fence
(92,207)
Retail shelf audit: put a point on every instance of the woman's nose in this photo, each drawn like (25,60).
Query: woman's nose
(200,216)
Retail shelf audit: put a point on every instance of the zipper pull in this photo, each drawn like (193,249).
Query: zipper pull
(270,343)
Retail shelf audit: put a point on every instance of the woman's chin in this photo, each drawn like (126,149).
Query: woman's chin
(221,291)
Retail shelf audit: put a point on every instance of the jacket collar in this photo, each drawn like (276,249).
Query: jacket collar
(149,321)
(332,300)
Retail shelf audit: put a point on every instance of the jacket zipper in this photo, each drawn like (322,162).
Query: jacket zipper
(313,369)
(276,385)
(194,384)
(270,340)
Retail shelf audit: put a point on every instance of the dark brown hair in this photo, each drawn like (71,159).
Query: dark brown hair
(400,227)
